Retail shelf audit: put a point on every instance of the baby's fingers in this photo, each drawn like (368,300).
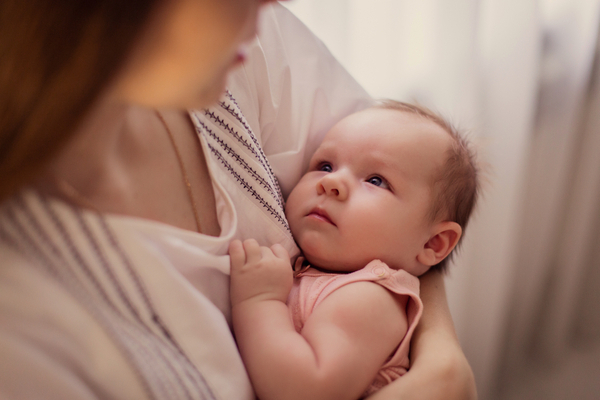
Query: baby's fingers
(253,251)
(237,254)
(280,252)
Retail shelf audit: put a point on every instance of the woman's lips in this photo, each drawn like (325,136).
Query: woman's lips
(240,57)
(241,54)
(321,215)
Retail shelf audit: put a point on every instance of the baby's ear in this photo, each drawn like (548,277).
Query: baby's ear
(444,239)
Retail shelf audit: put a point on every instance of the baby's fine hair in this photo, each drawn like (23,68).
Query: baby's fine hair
(456,185)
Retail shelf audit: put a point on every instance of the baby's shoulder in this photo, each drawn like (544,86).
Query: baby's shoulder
(398,281)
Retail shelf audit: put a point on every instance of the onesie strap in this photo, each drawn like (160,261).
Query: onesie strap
(396,281)
(300,266)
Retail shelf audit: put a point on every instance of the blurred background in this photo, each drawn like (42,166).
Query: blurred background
(523,76)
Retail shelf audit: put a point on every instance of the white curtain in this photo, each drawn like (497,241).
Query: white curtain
(517,74)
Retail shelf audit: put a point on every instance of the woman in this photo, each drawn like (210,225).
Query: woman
(118,207)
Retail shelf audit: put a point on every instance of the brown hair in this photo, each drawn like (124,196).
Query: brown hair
(456,185)
(56,58)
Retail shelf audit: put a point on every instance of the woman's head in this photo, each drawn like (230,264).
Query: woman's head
(59,57)
(186,50)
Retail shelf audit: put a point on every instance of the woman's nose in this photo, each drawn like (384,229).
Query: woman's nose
(333,185)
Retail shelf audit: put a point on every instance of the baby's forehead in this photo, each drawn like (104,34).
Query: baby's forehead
(377,126)
(399,139)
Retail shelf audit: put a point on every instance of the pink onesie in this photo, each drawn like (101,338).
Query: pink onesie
(312,286)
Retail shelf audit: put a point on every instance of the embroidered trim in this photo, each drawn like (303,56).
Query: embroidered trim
(213,124)
(231,152)
(250,189)
(236,113)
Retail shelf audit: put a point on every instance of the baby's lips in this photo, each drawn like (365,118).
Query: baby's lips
(321,214)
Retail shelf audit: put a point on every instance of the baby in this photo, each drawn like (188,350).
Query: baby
(387,196)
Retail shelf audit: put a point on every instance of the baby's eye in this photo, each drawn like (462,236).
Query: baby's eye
(325,167)
(378,181)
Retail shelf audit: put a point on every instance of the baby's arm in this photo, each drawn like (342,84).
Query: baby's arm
(439,369)
(342,346)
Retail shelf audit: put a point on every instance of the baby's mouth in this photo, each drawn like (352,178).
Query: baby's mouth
(320,214)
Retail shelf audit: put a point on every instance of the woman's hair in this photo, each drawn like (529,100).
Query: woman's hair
(456,185)
(56,58)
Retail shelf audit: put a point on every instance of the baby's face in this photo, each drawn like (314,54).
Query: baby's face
(367,192)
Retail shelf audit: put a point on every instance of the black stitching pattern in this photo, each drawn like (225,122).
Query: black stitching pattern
(256,150)
(249,188)
(237,113)
(234,133)
(248,141)
(231,152)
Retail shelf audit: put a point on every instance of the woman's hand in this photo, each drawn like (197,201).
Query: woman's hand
(258,272)
(439,368)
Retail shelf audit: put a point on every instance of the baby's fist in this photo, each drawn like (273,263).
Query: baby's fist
(258,272)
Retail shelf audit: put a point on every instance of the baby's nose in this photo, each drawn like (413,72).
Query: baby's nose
(333,185)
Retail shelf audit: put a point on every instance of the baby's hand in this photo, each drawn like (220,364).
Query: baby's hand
(258,272)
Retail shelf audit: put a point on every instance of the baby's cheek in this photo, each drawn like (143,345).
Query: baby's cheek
(294,226)
(291,215)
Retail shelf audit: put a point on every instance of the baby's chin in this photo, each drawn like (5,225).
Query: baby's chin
(332,265)
(325,254)
(342,266)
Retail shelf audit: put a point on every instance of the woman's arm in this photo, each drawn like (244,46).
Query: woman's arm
(439,368)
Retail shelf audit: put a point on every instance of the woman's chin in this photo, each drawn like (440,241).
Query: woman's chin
(209,95)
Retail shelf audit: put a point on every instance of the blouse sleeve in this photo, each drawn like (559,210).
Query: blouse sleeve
(292,90)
